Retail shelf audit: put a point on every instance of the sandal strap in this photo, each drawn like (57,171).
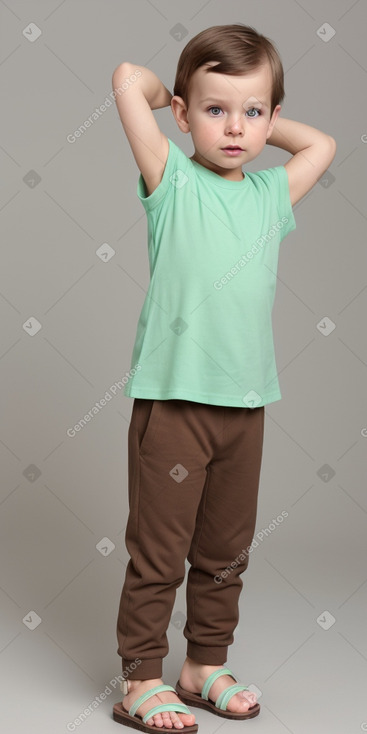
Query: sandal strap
(224,697)
(210,680)
(166,707)
(148,694)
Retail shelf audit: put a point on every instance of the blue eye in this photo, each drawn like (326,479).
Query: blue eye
(255,109)
(252,109)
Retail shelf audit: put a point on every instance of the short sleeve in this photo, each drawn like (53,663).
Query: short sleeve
(151,202)
(284,201)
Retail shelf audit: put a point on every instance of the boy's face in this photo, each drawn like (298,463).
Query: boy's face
(227,110)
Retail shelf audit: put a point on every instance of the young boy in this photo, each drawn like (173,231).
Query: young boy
(203,364)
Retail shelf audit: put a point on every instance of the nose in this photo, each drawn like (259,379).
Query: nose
(235,125)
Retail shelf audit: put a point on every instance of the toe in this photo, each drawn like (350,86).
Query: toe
(176,721)
(158,721)
(167,721)
(239,704)
(187,719)
(251,698)
(242,706)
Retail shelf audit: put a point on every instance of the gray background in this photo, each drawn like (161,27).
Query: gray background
(61,496)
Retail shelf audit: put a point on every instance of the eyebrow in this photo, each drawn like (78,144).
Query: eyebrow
(213,99)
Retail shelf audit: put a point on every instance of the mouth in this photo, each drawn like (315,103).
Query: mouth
(233,151)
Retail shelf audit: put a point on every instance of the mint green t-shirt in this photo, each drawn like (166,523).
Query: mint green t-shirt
(205,328)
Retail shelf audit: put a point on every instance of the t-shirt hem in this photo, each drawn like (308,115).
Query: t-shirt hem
(206,398)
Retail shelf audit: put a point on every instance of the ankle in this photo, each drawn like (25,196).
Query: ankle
(134,683)
(194,664)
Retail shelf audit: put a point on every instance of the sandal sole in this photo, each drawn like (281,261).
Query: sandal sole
(195,699)
(136,722)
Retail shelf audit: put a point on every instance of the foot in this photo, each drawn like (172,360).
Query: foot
(168,719)
(193,676)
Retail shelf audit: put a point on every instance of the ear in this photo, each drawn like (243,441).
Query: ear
(273,120)
(179,111)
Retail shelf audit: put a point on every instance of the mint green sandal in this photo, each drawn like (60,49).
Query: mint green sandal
(132,719)
(201,700)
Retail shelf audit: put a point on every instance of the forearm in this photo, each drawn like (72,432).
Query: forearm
(295,136)
(156,94)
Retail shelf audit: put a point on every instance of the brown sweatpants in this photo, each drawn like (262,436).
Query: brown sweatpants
(193,483)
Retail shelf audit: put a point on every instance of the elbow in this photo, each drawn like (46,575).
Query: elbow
(325,149)
(120,69)
(332,144)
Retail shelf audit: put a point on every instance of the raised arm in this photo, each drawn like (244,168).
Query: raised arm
(138,91)
(312,152)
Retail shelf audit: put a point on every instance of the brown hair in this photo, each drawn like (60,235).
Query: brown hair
(238,48)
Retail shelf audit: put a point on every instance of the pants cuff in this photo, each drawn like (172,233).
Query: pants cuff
(135,670)
(207,655)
